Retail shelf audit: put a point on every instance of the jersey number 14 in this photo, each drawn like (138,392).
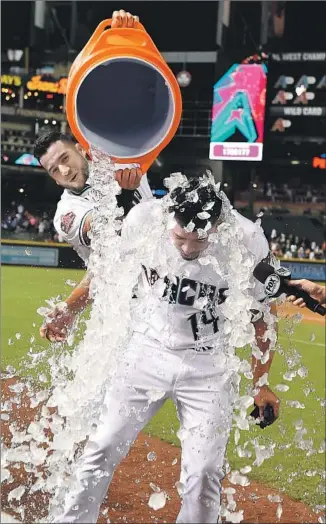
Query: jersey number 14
(207,316)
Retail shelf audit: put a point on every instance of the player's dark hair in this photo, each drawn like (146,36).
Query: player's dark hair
(43,142)
(197,196)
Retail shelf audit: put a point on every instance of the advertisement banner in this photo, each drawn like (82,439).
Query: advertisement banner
(310,270)
(237,131)
(11,80)
(41,82)
(38,83)
(29,255)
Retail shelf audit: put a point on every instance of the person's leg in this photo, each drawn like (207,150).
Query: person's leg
(127,409)
(204,397)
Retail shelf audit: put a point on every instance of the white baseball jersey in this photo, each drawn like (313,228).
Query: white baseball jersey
(73,209)
(181,310)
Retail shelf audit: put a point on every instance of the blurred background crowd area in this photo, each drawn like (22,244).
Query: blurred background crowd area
(33,224)
(287,189)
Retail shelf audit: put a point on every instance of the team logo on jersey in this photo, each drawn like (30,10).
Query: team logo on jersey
(67,222)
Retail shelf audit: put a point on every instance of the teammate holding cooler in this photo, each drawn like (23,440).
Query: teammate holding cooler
(178,347)
(66,162)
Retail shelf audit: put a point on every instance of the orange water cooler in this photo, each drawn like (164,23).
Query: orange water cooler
(122,97)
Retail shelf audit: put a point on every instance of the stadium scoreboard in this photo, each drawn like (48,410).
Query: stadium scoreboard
(296,100)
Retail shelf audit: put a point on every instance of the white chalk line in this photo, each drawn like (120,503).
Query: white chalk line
(302,341)
(6,519)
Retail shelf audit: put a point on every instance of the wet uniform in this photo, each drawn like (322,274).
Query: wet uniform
(74,208)
(170,355)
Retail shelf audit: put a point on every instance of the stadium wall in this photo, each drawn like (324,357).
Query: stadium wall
(39,254)
(52,254)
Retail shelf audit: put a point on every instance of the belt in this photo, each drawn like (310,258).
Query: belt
(202,349)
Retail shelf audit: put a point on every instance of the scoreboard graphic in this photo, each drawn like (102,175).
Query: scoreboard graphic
(296,98)
(238,114)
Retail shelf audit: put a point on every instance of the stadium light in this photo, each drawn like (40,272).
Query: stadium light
(184,78)
(15,55)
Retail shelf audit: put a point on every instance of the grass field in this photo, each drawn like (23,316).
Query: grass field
(26,289)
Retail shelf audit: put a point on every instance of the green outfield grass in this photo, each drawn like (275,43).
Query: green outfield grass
(23,291)
(26,289)
(290,459)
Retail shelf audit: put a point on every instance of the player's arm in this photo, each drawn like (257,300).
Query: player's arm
(58,323)
(264,324)
(79,298)
(72,221)
(85,229)
(125,200)
(260,366)
(129,179)
(263,342)
(123,19)
(316,291)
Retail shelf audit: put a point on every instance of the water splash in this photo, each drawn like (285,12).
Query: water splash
(86,373)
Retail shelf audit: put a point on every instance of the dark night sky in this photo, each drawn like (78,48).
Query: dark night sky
(177,25)
(172,25)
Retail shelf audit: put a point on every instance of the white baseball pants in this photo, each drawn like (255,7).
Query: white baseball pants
(203,392)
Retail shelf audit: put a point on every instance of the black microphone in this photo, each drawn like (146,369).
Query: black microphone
(276,283)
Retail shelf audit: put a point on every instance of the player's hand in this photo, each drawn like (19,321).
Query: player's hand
(129,178)
(266,396)
(57,324)
(123,19)
(316,291)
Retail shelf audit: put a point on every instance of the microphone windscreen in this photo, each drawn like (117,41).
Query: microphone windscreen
(262,271)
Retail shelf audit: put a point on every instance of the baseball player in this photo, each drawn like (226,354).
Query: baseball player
(177,349)
(66,162)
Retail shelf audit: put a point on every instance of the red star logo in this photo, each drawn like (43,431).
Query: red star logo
(236,114)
